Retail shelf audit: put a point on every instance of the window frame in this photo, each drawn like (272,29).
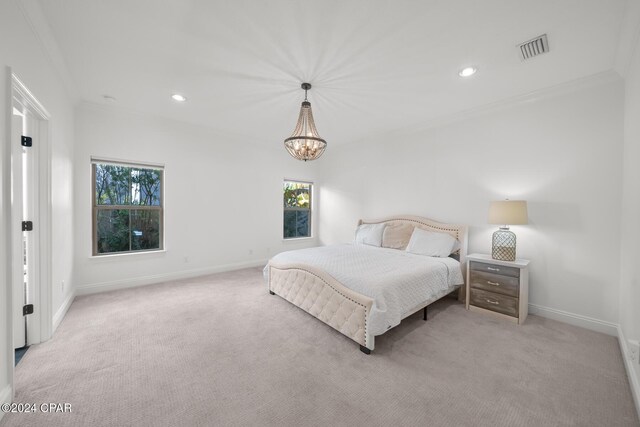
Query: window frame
(95,208)
(310,209)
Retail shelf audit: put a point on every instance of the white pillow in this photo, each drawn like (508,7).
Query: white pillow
(430,243)
(370,234)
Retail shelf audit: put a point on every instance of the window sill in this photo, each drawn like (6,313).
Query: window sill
(149,254)
(298,239)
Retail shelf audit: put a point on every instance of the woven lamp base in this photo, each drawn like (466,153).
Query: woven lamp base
(503,245)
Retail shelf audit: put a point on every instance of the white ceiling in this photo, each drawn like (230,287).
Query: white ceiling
(376,66)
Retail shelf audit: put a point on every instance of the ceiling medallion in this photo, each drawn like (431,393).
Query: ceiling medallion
(305,143)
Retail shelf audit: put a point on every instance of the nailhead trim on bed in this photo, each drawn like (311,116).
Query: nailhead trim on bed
(455,230)
(308,295)
(283,278)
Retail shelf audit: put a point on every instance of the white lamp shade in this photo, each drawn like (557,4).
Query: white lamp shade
(508,212)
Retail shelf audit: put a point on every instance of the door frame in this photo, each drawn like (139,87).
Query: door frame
(41,328)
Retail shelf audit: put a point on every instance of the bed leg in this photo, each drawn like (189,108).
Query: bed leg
(425,314)
(271,292)
(365,350)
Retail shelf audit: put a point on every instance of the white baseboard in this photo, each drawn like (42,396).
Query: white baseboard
(62,311)
(575,319)
(632,369)
(5,397)
(93,288)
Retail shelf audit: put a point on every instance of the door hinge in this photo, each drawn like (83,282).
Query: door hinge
(27,225)
(27,309)
(27,141)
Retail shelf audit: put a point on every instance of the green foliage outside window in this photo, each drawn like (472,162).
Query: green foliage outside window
(127,208)
(296,195)
(297,209)
(124,185)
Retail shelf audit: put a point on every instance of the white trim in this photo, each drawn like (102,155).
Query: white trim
(536,95)
(629,38)
(6,251)
(297,239)
(5,397)
(298,181)
(122,162)
(45,215)
(312,210)
(609,328)
(126,254)
(230,138)
(42,328)
(92,288)
(447,119)
(62,311)
(586,322)
(41,29)
(28,98)
(630,367)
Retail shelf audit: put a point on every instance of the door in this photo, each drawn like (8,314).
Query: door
(24,194)
(19,325)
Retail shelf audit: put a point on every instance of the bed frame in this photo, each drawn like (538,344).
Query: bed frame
(326,299)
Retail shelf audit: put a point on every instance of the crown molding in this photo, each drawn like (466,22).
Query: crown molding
(582,83)
(40,27)
(564,88)
(230,137)
(629,37)
(605,77)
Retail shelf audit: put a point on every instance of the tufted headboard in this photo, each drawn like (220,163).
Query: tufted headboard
(457,231)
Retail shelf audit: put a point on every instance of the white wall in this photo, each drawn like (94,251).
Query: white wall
(562,152)
(21,50)
(223,197)
(630,249)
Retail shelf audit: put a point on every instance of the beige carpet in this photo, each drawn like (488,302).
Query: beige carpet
(220,351)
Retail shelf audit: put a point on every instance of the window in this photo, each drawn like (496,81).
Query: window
(127,207)
(297,209)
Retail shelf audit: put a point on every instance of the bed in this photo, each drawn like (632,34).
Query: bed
(363,291)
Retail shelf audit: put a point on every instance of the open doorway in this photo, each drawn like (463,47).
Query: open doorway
(30,220)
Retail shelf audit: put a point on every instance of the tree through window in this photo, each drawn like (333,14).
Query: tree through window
(127,208)
(297,209)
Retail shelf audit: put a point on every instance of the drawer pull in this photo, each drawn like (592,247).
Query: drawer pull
(493,283)
(493,269)
(490,301)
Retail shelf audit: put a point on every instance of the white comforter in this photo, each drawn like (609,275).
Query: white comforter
(397,281)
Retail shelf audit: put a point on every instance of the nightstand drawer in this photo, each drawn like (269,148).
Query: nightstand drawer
(506,285)
(494,269)
(495,302)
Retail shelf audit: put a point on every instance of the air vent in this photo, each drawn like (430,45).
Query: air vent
(534,47)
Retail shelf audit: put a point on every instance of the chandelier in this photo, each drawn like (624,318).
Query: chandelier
(305,143)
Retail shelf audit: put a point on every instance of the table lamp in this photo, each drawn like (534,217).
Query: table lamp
(505,213)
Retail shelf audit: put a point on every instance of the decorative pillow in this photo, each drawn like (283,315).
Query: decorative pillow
(431,243)
(370,234)
(397,235)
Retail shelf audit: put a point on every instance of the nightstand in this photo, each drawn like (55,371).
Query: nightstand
(500,288)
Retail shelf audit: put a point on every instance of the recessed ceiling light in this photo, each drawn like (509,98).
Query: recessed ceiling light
(467,72)
(178,97)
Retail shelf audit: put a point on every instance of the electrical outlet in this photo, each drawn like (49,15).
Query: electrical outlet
(62,286)
(186,260)
(250,251)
